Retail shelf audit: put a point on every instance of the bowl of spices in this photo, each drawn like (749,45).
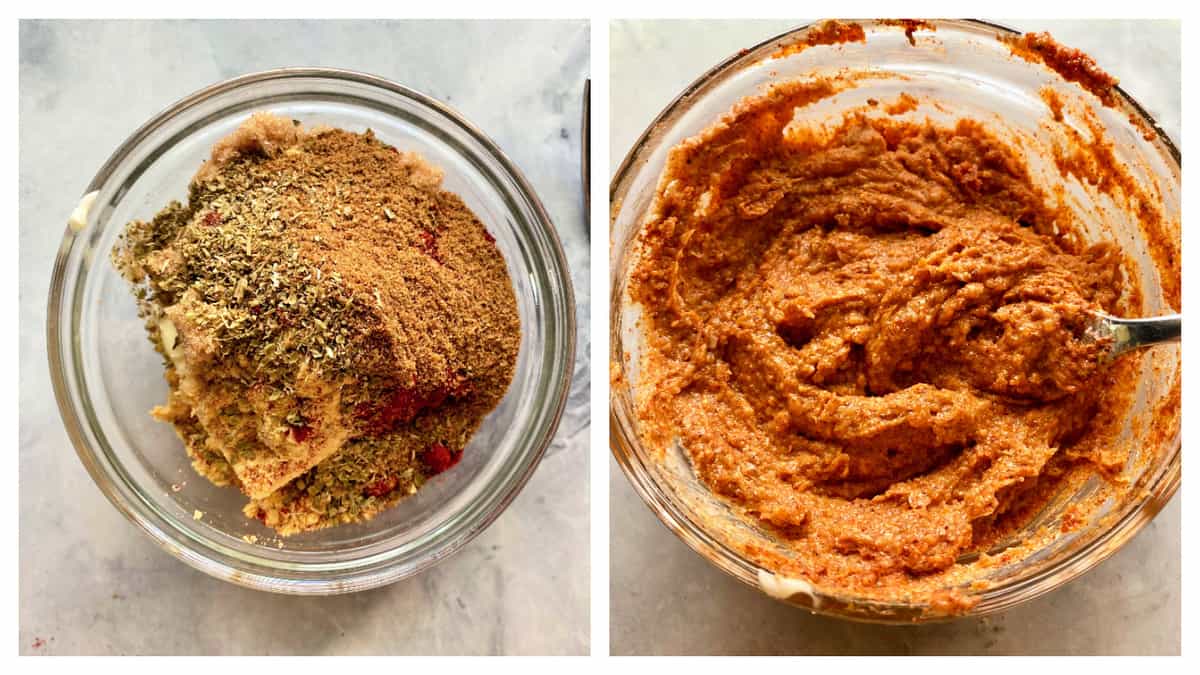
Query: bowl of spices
(853,272)
(310,330)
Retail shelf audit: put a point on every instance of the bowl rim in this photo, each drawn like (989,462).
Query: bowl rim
(371,575)
(622,439)
(736,58)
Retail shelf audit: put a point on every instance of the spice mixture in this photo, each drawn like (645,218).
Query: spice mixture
(870,337)
(335,325)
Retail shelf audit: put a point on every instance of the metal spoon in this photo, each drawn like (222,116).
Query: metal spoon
(1129,334)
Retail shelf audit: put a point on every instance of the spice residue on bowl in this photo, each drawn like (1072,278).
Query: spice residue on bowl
(869,337)
(1076,66)
(335,325)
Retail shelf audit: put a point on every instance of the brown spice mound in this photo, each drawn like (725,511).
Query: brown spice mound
(330,317)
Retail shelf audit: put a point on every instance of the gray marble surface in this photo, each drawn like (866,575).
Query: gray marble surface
(665,599)
(90,583)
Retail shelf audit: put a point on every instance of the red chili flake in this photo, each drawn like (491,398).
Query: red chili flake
(404,404)
(381,487)
(400,407)
(488,235)
(212,218)
(437,458)
(38,643)
(429,246)
(301,433)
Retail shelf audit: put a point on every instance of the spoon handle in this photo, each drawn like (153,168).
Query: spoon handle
(1133,333)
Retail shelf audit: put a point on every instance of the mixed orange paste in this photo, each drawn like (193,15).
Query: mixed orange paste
(870,338)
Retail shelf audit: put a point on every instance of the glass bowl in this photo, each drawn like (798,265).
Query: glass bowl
(967,70)
(107,376)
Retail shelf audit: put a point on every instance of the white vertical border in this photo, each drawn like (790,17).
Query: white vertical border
(599,338)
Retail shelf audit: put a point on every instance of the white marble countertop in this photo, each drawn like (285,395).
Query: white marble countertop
(91,583)
(665,599)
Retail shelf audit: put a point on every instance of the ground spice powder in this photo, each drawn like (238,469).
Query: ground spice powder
(335,324)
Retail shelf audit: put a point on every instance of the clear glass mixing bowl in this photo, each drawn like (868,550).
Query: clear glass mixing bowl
(968,71)
(107,376)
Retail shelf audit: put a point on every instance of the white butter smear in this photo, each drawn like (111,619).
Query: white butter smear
(785,587)
(169,335)
(78,219)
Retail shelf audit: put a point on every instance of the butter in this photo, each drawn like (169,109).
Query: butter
(169,335)
(783,588)
(78,219)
